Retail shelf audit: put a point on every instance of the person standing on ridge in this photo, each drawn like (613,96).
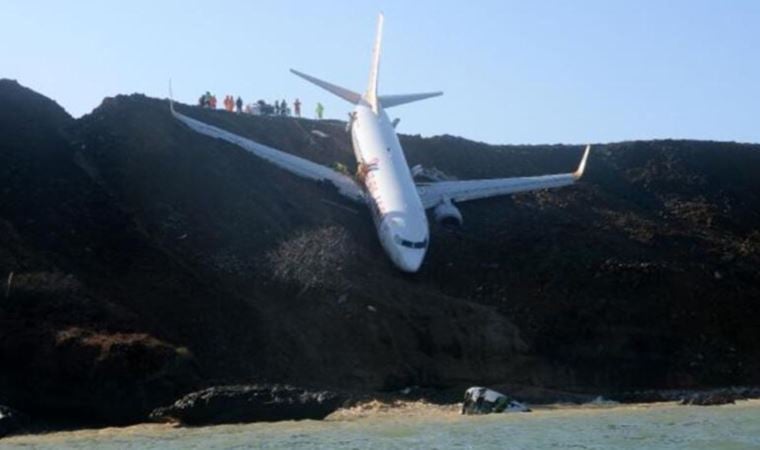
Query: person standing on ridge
(320,110)
(206,100)
(276,108)
(263,107)
(284,107)
(297,107)
(212,102)
(239,104)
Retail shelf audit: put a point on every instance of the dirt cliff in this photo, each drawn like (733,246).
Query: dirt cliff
(149,260)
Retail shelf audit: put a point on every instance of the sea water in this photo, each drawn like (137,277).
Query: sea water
(659,426)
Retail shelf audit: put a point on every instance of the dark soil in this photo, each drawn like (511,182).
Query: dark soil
(149,261)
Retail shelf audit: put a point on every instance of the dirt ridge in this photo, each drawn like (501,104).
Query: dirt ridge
(185,262)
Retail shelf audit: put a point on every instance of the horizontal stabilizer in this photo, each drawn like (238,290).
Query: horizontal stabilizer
(347,95)
(389,101)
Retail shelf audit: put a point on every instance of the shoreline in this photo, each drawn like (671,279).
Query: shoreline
(404,412)
(390,406)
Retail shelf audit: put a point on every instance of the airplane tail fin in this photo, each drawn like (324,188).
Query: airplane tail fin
(347,95)
(371,96)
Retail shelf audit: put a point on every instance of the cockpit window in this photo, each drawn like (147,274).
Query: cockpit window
(409,244)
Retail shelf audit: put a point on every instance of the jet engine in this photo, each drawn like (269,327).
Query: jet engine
(447,214)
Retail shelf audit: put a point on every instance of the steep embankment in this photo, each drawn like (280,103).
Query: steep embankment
(145,252)
(333,310)
(644,274)
(83,317)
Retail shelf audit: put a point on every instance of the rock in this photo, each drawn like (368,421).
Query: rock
(720,397)
(249,403)
(11,421)
(689,397)
(480,400)
(89,376)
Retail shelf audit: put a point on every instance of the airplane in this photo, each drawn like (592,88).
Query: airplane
(384,180)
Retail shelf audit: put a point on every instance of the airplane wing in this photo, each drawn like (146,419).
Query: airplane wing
(298,166)
(432,194)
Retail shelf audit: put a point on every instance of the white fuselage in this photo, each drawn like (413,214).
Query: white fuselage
(391,193)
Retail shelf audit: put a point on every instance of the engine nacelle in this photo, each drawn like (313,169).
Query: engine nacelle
(447,214)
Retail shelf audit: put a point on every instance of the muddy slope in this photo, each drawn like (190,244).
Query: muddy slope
(149,260)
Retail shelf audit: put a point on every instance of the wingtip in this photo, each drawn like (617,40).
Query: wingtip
(582,166)
(171,97)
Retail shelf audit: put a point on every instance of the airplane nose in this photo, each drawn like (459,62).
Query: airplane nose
(410,260)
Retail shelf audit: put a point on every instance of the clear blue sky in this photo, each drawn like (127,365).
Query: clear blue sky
(512,72)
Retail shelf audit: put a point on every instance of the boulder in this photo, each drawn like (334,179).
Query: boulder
(480,400)
(249,403)
(709,398)
(11,420)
